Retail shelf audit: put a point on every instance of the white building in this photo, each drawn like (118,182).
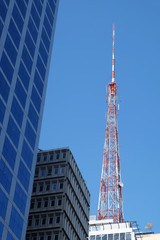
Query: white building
(108,230)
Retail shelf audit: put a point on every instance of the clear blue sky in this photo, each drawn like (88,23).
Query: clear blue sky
(75,107)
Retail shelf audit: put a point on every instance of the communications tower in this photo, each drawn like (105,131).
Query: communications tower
(110,197)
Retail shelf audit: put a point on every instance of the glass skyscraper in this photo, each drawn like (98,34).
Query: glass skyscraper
(26,37)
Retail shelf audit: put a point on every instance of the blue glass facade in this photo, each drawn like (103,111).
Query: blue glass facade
(26,39)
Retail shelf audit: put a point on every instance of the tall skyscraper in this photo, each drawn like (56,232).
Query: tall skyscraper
(60,199)
(26,36)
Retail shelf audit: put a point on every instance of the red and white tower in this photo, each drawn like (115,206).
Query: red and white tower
(110,197)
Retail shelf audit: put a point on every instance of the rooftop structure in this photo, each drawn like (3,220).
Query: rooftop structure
(108,230)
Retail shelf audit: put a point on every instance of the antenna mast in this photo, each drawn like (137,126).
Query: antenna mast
(110,197)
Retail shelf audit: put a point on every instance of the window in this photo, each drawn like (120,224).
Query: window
(17,112)
(38,6)
(22,7)
(33,116)
(16,223)
(59,202)
(45,39)
(35,16)
(50,220)
(49,14)
(24,76)
(3,10)
(52,5)
(9,153)
(48,237)
(20,198)
(52,203)
(110,236)
(10,49)
(27,154)
(1,29)
(43,54)
(43,220)
(20,93)
(41,188)
(128,236)
(58,219)
(24,175)
(56,171)
(92,237)
(29,222)
(13,131)
(54,186)
(6,67)
(41,67)
(49,171)
(30,135)
(36,99)
(36,172)
(2,111)
(45,158)
(56,237)
(104,237)
(116,236)
(29,43)
(61,185)
(32,204)
(47,186)
(51,157)
(62,170)
(42,172)
(5,176)
(64,155)
(17,17)
(27,59)
(1,230)
(34,188)
(14,33)
(122,236)
(98,237)
(4,89)
(3,204)
(36,221)
(38,159)
(57,156)
(39,204)
(46,203)
(47,26)
(32,29)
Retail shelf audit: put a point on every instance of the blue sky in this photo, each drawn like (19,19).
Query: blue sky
(75,106)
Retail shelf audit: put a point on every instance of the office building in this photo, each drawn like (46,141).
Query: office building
(60,199)
(26,35)
(107,229)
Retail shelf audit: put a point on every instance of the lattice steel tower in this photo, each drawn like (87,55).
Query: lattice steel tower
(110,198)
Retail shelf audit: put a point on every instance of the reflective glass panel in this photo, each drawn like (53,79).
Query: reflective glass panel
(16,223)
(5,176)
(9,153)
(3,204)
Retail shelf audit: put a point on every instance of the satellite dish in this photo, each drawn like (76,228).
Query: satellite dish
(149,226)
(120,184)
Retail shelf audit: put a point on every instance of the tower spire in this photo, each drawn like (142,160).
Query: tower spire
(110,197)
(113,59)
